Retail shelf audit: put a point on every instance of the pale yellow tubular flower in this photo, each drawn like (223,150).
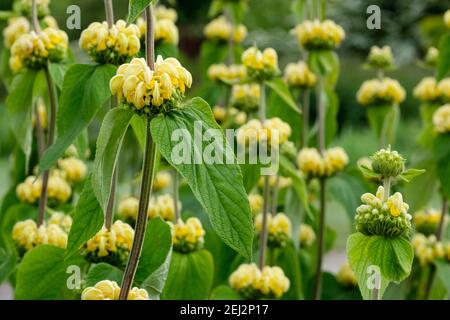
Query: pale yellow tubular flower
(299,75)
(260,64)
(346,276)
(310,162)
(128,207)
(188,236)
(444,89)
(28,235)
(316,34)
(120,236)
(74,169)
(256,203)
(375,91)
(62,220)
(103,290)
(221,29)
(427,90)
(447,18)
(162,12)
(306,235)
(335,160)
(15,28)
(163,206)
(441,119)
(162,180)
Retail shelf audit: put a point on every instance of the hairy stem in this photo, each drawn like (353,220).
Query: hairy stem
(305,128)
(387,188)
(148,171)
(263,235)
(50,138)
(109,12)
(176,184)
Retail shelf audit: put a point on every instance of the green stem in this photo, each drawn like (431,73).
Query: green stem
(109,12)
(230,38)
(275,192)
(176,186)
(305,128)
(109,214)
(264,230)
(321,241)
(387,188)
(148,171)
(50,138)
(262,104)
(34,18)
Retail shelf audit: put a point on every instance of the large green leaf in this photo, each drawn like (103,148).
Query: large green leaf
(58,71)
(280,88)
(154,284)
(20,107)
(85,90)
(87,221)
(157,247)
(109,142)
(103,271)
(286,259)
(326,64)
(443,272)
(197,271)
(136,7)
(442,156)
(392,255)
(443,68)
(217,186)
(43,275)
(224,292)
(384,121)
(250,175)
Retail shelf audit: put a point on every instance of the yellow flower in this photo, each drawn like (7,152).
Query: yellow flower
(189,236)
(310,162)
(432,56)
(376,92)
(273,131)
(427,221)
(299,75)
(260,65)
(441,119)
(42,114)
(15,28)
(74,169)
(256,203)
(33,50)
(427,249)
(245,96)
(162,12)
(140,87)
(219,113)
(110,290)
(222,72)
(114,45)
(396,205)
(447,18)
(221,29)
(105,242)
(165,30)
(381,57)
(427,90)
(128,207)
(283,182)
(162,180)
(316,34)
(30,190)
(306,235)
(335,160)
(444,89)
(62,220)
(28,235)
(163,206)
(346,276)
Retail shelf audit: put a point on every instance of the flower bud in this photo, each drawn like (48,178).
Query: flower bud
(388,163)
(189,236)
(380,58)
(306,235)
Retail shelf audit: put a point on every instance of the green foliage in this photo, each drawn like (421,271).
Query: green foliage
(57,72)
(443,68)
(43,274)
(224,292)
(280,88)
(85,89)
(197,271)
(392,255)
(109,142)
(384,121)
(250,175)
(442,156)
(136,7)
(218,187)
(286,259)
(103,271)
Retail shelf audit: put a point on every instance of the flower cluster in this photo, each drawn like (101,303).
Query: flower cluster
(346,276)
(427,249)
(188,236)
(314,165)
(109,290)
(378,216)
(379,92)
(27,235)
(231,73)
(260,65)
(163,206)
(112,246)
(73,168)
(20,25)
(220,29)
(441,119)
(278,229)
(151,91)
(306,235)
(319,35)
(432,57)
(62,220)
(231,114)
(165,30)
(427,90)
(128,208)
(114,45)
(252,283)
(24,7)
(271,131)
(299,75)
(444,89)
(388,163)
(427,221)
(256,202)
(34,49)
(380,58)
(161,181)
(245,96)
(58,189)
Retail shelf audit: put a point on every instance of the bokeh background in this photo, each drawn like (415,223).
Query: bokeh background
(408,26)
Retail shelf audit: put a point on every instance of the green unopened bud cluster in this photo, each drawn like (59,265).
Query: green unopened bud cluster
(388,163)
(380,217)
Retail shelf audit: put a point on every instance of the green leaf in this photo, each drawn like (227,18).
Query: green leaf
(85,90)
(165,49)
(109,142)
(43,274)
(286,259)
(392,255)
(411,173)
(369,173)
(197,271)
(218,186)
(250,174)
(331,101)
(427,133)
(325,63)
(157,247)
(287,169)
(384,121)
(442,272)
(20,107)
(136,7)
(154,284)
(58,71)
(215,8)
(442,156)
(281,89)
(224,292)
(443,67)
(87,221)
(103,271)
(138,124)
(298,8)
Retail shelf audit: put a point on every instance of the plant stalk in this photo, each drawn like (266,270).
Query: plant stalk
(230,38)
(148,171)
(262,104)
(109,12)
(264,230)
(176,185)
(275,192)
(50,138)
(34,17)
(305,128)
